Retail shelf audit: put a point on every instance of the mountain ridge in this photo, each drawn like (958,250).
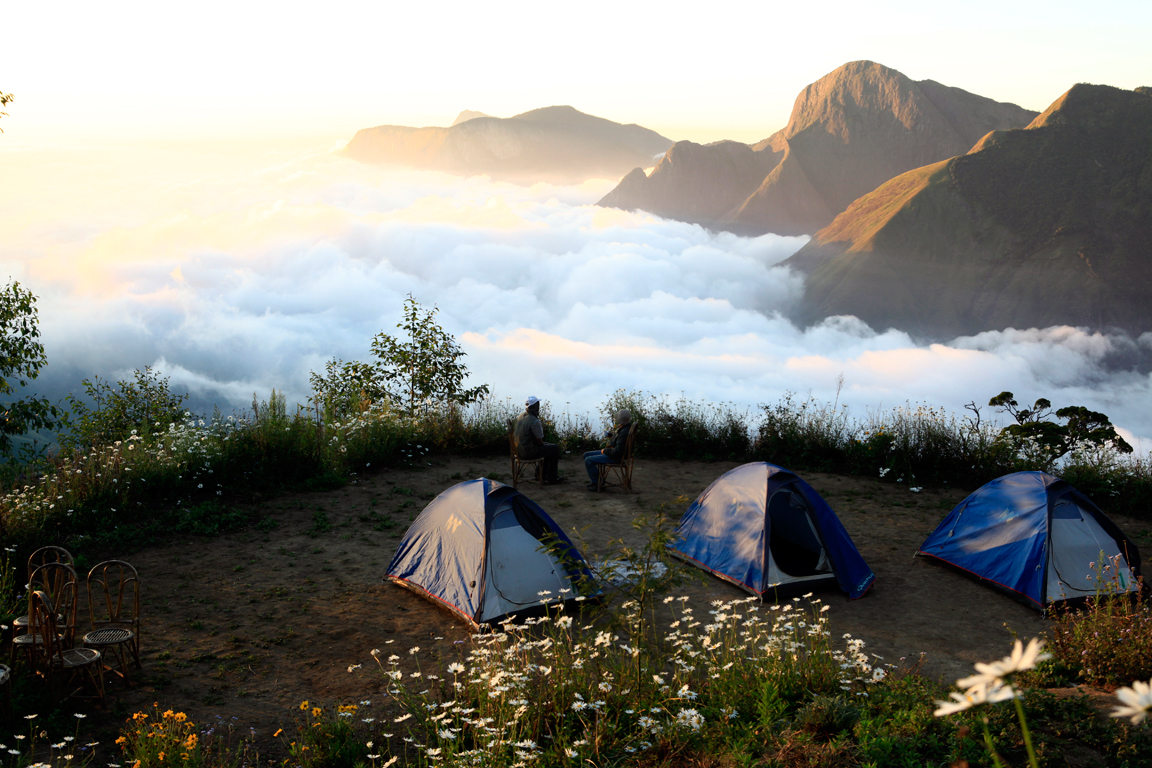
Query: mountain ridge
(848,132)
(559,144)
(1040,226)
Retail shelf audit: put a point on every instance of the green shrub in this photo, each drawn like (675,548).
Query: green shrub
(827,716)
(144,406)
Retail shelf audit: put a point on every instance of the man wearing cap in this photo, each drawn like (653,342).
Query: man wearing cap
(617,440)
(529,435)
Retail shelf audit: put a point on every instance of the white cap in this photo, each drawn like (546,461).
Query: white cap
(531,401)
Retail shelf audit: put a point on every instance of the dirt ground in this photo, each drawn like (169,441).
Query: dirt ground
(250,624)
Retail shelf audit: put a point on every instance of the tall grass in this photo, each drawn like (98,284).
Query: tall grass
(157,471)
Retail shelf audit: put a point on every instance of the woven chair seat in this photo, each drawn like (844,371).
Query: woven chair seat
(27,640)
(108,636)
(76,657)
(5,673)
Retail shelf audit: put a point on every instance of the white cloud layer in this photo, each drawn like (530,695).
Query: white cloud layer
(236,273)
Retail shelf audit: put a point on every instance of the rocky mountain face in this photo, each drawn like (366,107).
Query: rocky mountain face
(849,132)
(557,144)
(1048,225)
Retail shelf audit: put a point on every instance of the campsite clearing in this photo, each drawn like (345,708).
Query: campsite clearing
(249,624)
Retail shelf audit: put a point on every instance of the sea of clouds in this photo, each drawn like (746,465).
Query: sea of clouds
(238,270)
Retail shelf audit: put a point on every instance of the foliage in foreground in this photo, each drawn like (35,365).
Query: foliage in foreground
(1105,642)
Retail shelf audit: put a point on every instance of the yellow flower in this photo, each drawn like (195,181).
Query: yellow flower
(169,714)
(347,708)
(278,733)
(180,717)
(139,716)
(121,740)
(190,742)
(316,711)
(161,758)
(303,705)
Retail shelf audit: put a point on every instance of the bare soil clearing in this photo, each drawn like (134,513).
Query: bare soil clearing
(250,624)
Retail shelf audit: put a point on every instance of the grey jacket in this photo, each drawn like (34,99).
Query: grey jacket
(618,440)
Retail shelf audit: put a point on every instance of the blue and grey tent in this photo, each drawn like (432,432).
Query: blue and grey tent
(1037,538)
(765,530)
(485,551)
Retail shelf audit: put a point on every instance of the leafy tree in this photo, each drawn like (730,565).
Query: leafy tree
(1054,439)
(21,358)
(348,387)
(5,98)
(411,374)
(143,406)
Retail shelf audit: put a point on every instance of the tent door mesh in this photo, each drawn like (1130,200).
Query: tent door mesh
(795,546)
(518,569)
(1076,542)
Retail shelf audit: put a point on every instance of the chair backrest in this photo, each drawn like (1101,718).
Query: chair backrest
(43,626)
(46,555)
(114,595)
(512,437)
(630,444)
(58,582)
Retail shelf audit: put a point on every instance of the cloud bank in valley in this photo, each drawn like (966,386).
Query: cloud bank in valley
(237,273)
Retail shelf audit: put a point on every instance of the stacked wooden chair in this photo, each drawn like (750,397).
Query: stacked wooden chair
(56,659)
(57,582)
(48,633)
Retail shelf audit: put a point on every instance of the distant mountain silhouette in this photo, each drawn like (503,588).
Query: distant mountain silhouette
(1049,225)
(557,144)
(466,115)
(849,132)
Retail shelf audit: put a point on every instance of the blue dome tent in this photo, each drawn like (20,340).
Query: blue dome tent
(485,551)
(765,530)
(1036,537)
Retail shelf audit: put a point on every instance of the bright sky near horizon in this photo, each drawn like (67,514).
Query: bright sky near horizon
(723,70)
(172,195)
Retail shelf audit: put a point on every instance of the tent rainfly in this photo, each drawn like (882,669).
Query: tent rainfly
(485,551)
(1037,538)
(765,530)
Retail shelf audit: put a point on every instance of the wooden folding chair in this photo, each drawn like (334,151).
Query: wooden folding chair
(518,464)
(115,618)
(57,581)
(622,468)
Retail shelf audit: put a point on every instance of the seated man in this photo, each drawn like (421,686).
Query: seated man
(528,433)
(614,453)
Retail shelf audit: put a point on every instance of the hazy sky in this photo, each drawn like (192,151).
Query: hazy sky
(170,191)
(701,70)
